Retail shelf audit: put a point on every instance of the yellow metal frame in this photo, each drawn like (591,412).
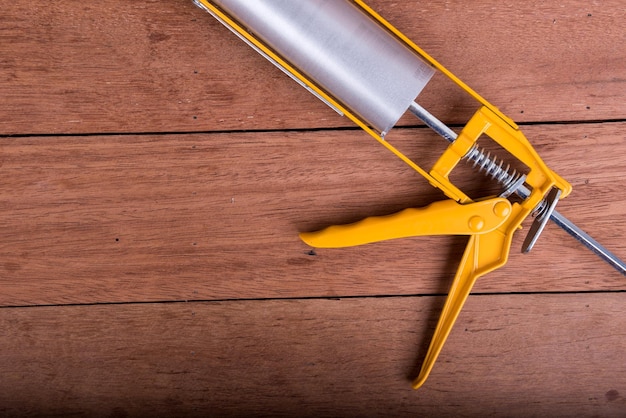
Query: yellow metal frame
(490,224)
(505,136)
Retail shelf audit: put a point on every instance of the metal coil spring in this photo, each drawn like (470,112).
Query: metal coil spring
(492,166)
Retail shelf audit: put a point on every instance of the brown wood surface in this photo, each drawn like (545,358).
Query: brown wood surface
(178,217)
(155,173)
(530,355)
(154,66)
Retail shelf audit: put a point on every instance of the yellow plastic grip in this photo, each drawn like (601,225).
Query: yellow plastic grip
(440,218)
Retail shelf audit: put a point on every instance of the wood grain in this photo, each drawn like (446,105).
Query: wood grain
(155,173)
(167,66)
(530,355)
(198,217)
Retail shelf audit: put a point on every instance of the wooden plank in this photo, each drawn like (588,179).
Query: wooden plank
(204,217)
(166,66)
(530,355)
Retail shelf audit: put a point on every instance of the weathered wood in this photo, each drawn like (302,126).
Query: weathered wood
(179,217)
(166,66)
(524,355)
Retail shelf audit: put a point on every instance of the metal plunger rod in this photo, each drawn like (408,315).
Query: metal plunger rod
(444,131)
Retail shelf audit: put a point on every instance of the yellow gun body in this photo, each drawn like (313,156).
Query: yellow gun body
(364,91)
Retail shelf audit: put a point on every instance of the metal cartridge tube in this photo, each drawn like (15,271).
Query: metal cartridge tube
(341,49)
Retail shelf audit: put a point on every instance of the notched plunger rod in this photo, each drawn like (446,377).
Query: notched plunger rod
(505,178)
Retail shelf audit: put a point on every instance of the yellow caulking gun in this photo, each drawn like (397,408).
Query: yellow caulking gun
(356,62)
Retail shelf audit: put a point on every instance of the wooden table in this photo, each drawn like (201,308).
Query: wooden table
(155,173)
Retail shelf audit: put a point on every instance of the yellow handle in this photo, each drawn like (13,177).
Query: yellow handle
(490,224)
(483,254)
(440,218)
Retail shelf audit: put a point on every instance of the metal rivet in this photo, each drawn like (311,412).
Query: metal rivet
(502,209)
(476,223)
